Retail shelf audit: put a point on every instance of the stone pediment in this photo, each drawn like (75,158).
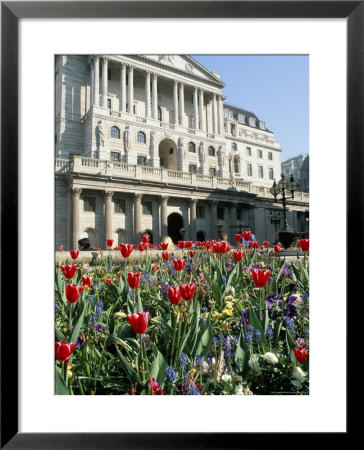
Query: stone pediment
(185,64)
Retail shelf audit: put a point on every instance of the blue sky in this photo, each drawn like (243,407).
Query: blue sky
(274,87)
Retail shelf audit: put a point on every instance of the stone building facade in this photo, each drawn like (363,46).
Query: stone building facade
(147,143)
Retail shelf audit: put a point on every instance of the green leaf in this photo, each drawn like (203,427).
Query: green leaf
(204,340)
(125,331)
(253,319)
(240,354)
(78,325)
(59,336)
(60,385)
(128,370)
(138,307)
(158,368)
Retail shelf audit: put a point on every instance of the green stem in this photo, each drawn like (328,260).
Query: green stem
(70,318)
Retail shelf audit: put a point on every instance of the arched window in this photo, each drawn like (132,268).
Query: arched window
(191,147)
(141,137)
(211,151)
(236,165)
(115,132)
(234,147)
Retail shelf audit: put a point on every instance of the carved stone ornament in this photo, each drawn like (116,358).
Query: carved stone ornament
(109,194)
(76,191)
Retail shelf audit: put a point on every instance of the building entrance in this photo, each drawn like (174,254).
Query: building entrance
(175,223)
(168,154)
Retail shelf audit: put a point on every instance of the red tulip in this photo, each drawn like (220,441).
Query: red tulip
(181,244)
(253,244)
(304,244)
(179,263)
(64,350)
(69,271)
(238,237)
(247,235)
(155,267)
(189,244)
(262,247)
(174,295)
(192,253)
(155,387)
(166,255)
(240,245)
(126,249)
(139,321)
(187,290)
(108,281)
(74,254)
(276,248)
(109,242)
(87,281)
(73,292)
(238,255)
(301,354)
(221,247)
(142,246)
(199,244)
(260,277)
(145,238)
(163,245)
(134,279)
(266,243)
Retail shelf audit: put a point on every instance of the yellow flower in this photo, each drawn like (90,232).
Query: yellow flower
(234,300)
(191,374)
(262,264)
(120,315)
(216,315)
(69,370)
(229,305)
(227,312)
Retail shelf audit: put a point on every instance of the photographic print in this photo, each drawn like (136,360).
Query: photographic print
(181,225)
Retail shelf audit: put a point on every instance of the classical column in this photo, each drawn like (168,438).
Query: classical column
(181,104)
(138,216)
(164,216)
(219,115)
(233,221)
(202,116)
(104,81)
(175,102)
(76,192)
(213,212)
(131,90)
(195,108)
(193,230)
(92,82)
(155,97)
(108,214)
(214,115)
(96,96)
(147,94)
(122,102)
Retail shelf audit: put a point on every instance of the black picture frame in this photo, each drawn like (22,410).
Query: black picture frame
(11,12)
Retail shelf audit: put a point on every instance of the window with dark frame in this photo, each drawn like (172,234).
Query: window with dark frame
(147,208)
(89,204)
(211,151)
(115,132)
(109,103)
(212,171)
(270,156)
(192,168)
(220,212)
(239,214)
(119,205)
(260,153)
(115,156)
(249,170)
(141,160)
(260,171)
(271,173)
(191,147)
(141,138)
(200,212)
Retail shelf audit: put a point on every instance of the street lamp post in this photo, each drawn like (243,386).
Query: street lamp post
(287,233)
(275,218)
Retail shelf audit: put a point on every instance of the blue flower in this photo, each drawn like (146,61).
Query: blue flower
(198,361)
(183,360)
(57,307)
(257,335)
(202,320)
(248,338)
(205,309)
(269,333)
(170,374)
(306,332)
(290,326)
(94,318)
(91,299)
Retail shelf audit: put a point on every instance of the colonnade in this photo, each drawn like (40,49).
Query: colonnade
(126,96)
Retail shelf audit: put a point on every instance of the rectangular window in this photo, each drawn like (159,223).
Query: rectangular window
(287,170)
(212,172)
(119,205)
(249,151)
(260,171)
(192,168)
(89,204)
(142,161)
(239,214)
(161,162)
(252,121)
(249,170)
(270,156)
(147,208)
(200,212)
(260,154)
(220,213)
(241,118)
(115,156)
(109,74)
(109,103)
(262,125)
(271,174)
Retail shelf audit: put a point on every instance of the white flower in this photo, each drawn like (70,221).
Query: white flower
(229,298)
(226,378)
(240,390)
(230,291)
(271,358)
(296,383)
(298,374)
(254,363)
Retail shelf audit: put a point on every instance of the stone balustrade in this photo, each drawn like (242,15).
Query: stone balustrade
(92,166)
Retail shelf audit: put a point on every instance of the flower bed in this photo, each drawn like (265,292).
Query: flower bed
(213,321)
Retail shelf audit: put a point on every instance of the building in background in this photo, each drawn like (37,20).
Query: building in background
(147,144)
(299,168)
